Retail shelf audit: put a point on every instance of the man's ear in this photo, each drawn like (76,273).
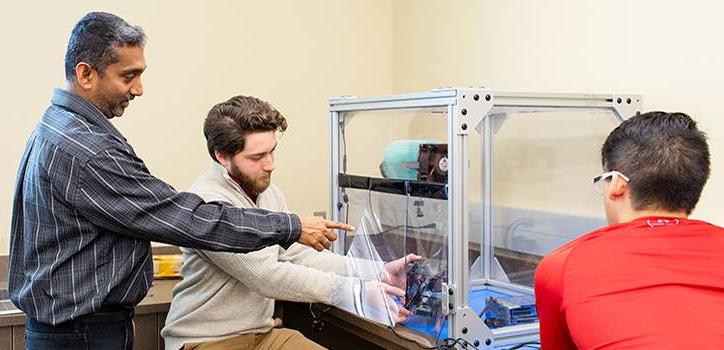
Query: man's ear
(618,189)
(85,75)
(222,158)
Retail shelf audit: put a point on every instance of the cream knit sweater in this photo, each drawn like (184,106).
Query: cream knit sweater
(227,294)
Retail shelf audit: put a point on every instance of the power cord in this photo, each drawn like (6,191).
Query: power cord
(446,344)
(449,343)
(467,345)
(317,322)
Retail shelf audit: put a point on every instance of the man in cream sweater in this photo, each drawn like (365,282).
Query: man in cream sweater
(226,300)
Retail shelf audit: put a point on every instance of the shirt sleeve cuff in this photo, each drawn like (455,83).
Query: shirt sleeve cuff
(292,225)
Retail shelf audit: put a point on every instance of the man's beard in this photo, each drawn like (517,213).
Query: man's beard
(115,109)
(118,109)
(258,185)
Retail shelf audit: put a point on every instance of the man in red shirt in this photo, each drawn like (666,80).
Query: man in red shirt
(652,279)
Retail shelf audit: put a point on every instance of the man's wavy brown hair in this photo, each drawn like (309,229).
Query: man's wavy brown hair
(228,123)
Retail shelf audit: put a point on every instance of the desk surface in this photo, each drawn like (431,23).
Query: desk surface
(411,336)
(159,298)
(402,339)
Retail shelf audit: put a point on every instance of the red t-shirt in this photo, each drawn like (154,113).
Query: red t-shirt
(652,283)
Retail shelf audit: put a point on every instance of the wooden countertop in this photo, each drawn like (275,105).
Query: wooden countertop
(379,334)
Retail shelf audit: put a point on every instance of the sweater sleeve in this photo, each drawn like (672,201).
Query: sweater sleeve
(554,333)
(262,273)
(331,262)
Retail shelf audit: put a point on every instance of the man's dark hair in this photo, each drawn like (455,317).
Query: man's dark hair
(228,123)
(665,156)
(96,37)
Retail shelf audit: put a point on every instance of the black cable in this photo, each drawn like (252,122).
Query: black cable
(457,341)
(320,312)
(317,322)
(449,343)
(344,148)
(346,207)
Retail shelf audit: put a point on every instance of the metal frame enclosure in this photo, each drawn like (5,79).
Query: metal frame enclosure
(467,110)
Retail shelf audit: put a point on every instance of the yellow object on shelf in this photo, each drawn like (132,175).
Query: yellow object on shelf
(167,266)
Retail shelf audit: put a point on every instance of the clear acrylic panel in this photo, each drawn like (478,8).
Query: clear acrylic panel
(388,211)
(542,164)
(393,226)
(372,297)
(408,203)
(385,143)
(426,236)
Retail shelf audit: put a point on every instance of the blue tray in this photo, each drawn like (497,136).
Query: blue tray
(427,325)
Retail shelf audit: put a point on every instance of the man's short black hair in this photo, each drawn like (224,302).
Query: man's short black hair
(666,157)
(96,37)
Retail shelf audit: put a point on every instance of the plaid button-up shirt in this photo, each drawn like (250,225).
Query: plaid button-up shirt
(86,207)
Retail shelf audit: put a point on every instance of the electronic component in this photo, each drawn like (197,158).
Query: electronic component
(501,312)
(400,160)
(423,288)
(422,160)
(432,162)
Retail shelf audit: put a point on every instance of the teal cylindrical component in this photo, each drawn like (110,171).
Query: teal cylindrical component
(400,159)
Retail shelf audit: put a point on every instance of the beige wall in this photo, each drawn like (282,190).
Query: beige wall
(670,52)
(295,54)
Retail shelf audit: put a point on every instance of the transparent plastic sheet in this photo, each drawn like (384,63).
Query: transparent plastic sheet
(401,125)
(542,195)
(370,297)
(541,199)
(425,234)
(390,227)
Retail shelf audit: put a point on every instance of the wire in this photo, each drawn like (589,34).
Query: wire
(457,341)
(317,323)
(344,148)
(449,343)
(316,316)
(467,344)
(346,206)
(526,344)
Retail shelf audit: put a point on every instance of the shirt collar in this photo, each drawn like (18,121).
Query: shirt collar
(84,108)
